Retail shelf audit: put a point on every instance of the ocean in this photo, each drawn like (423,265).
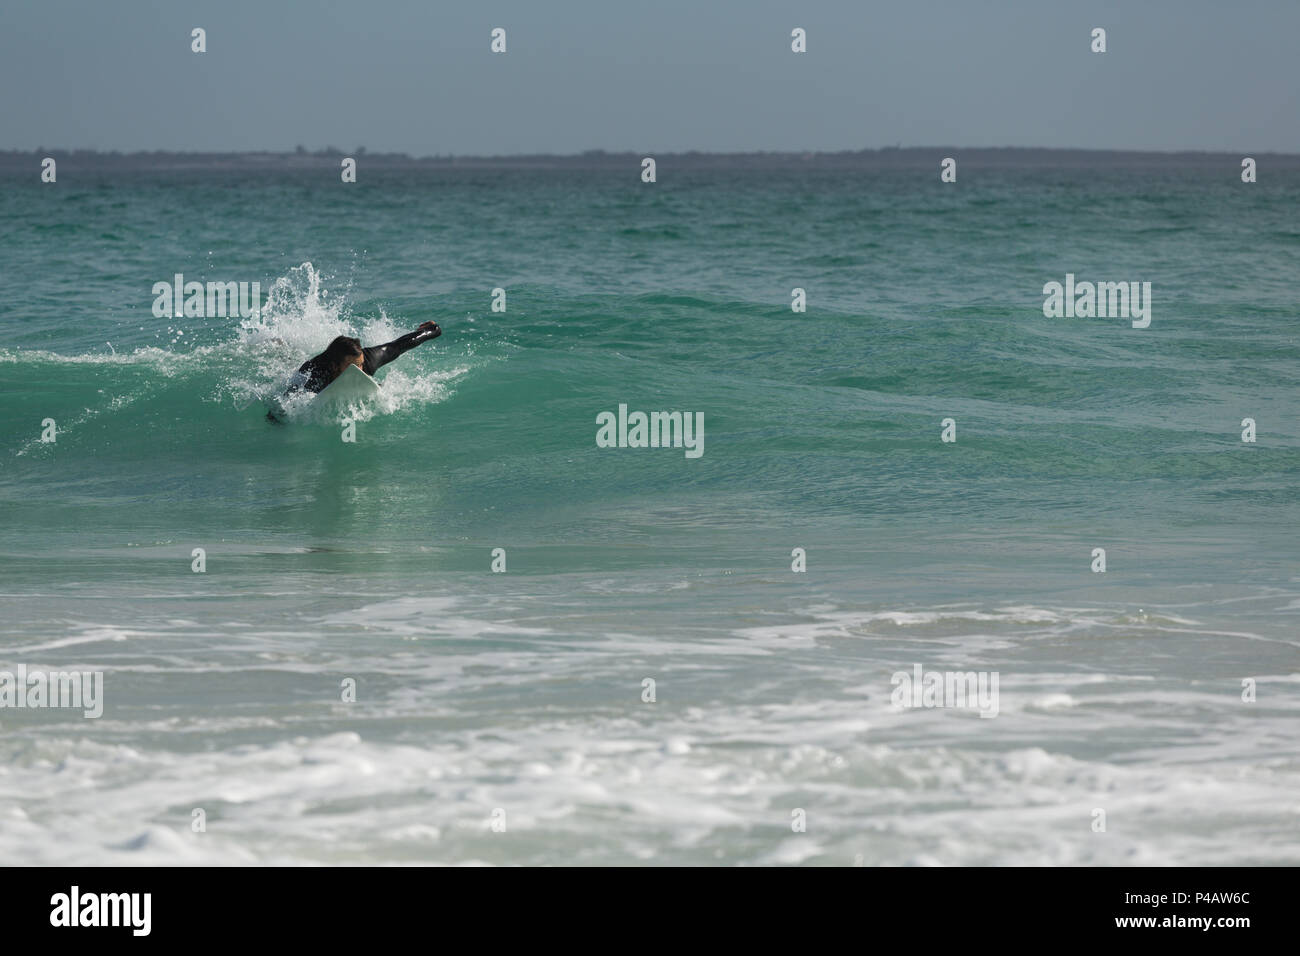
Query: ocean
(646,678)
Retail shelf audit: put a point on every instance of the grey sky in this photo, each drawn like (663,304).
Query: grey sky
(417,76)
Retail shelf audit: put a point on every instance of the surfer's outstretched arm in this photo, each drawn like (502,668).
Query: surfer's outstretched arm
(378,356)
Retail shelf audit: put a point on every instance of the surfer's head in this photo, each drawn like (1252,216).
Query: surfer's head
(344,351)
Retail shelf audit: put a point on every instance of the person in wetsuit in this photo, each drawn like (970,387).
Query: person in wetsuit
(318,371)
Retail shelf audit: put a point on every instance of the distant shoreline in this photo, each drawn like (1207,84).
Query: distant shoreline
(886,158)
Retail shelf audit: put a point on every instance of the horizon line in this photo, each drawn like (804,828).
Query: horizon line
(330,151)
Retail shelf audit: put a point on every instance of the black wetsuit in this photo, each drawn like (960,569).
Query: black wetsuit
(376,357)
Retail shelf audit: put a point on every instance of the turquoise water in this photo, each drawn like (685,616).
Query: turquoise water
(522,691)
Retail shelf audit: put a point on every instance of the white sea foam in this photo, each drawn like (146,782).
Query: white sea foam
(472,703)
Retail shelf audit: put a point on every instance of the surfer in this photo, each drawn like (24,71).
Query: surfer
(319,370)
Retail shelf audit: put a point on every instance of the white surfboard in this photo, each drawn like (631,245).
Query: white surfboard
(352,385)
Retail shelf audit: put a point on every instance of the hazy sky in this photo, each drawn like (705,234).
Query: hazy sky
(417,76)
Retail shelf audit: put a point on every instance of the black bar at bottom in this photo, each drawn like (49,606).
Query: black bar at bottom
(306,905)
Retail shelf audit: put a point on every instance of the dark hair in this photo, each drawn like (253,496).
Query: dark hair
(341,348)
